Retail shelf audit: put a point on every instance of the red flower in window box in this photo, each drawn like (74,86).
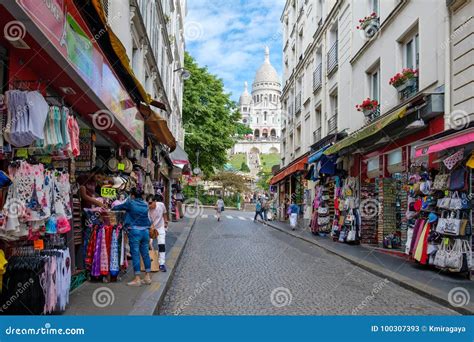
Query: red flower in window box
(367,105)
(367,20)
(401,78)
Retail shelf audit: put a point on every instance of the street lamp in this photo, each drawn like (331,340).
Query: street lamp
(185,74)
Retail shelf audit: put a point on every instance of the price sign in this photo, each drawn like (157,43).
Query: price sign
(121,166)
(108,192)
(46,160)
(22,153)
(38,245)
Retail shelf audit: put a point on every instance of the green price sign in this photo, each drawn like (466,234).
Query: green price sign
(108,192)
(22,153)
(121,166)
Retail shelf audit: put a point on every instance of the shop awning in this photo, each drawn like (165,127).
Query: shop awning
(179,157)
(368,131)
(317,155)
(155,124)
(299,165)
(449,141)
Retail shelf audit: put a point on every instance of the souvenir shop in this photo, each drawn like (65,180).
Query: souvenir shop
(291,185)
(440,202)
(59,163)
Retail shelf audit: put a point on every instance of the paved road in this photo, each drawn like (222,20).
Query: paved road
(238,267)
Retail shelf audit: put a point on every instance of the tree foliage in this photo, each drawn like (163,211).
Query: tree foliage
(231,181)
(242,130)
(210,118)
(263,181)
(244,167)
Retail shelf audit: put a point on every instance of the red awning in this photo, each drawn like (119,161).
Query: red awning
(299,165)
(452,140)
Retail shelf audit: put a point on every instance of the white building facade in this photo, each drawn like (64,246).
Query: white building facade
(152,34)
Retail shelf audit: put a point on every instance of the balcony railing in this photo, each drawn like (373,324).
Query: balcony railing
(374,114)
(317,77)
(317,135)
(332,124)
(332,61)
(410,89)
(298,103)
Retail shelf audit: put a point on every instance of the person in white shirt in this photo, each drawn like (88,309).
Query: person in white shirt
(219,208)
(159,221)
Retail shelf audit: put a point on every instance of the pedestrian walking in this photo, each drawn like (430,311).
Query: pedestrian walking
(219,207)
(138,230)
(294,210)
(258,210)
(264,207)
(159,221)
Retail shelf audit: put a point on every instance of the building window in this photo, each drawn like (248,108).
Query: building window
(411,53)
(264,116)
(375,85)
(375,6)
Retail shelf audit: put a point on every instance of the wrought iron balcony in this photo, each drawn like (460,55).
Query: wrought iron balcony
(332,58)
(317,135)
(317,77)
(332,124)
(410,89)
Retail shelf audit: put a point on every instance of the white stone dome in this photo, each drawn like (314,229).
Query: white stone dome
(245,98)
(266,72)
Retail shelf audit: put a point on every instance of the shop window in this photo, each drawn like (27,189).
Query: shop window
(395,162)
(373,167)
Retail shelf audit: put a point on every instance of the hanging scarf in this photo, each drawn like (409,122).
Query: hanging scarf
(96,263)
(114,253)
(90,248)
(104,259)
(421,247)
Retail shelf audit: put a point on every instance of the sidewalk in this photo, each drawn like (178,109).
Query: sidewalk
(98,298)
(417,278)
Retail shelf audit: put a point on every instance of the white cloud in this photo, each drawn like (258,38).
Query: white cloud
(232,36)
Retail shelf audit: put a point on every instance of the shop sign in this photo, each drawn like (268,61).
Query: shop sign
(38,245)
(66,31)
(49,12)
(108,192)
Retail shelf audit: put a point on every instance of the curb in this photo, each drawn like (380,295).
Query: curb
(407,283)
(151,300)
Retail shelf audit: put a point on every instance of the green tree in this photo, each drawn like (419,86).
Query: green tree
(244,167)
(231,181)
(210,118)
(241,130)
(263,181)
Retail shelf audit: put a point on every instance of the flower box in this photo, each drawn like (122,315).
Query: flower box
(404,79)
(368,107)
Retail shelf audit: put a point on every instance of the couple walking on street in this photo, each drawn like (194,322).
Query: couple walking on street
(144,221)
(261,208)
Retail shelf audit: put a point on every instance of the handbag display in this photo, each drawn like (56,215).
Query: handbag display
(441,182)
(322,221)
(440,256)
(454,257)
(351,235)
(323,210)
(465,202)
(453,224)
(442,222)
(444,203)
(455,203)
(457,181)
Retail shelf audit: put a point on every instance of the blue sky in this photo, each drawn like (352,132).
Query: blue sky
(228,36)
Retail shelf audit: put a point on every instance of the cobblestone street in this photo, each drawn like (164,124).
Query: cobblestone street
(238,267)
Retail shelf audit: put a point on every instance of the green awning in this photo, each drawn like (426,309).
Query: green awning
(368,131)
